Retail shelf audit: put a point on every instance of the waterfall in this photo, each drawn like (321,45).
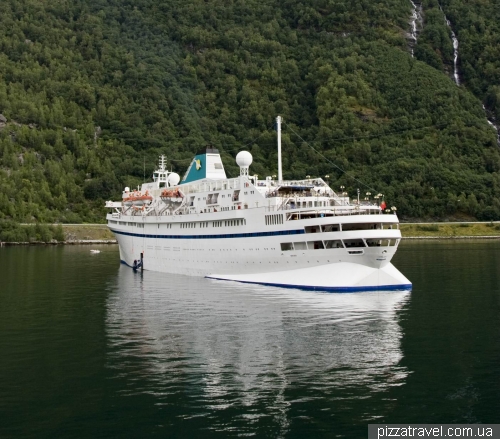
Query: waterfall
(455,52)
(415,23)
(455,48)
(492,122)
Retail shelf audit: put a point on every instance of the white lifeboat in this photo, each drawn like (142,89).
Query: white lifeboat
(167,194)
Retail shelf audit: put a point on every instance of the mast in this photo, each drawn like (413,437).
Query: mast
(278,128)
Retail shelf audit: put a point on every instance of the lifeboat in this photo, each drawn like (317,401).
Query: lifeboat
(171,194)
(137,198)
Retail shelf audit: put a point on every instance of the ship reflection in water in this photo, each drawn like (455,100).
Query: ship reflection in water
(201,347)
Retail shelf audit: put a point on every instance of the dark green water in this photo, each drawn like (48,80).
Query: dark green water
(89,349)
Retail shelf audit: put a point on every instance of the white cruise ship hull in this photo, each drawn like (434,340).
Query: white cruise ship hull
(252,258)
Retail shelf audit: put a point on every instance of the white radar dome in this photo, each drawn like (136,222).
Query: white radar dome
(173,179)
(244,159)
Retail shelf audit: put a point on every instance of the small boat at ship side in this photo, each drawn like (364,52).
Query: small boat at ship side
(136,198)
(288,233)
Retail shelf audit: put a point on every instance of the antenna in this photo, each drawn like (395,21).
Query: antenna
(278,128)
(144,168)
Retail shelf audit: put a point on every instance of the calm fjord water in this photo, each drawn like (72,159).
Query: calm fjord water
(89,348)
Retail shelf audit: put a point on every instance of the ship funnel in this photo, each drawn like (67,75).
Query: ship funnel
(206,164)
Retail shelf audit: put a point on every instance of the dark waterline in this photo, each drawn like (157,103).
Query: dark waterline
(88,348)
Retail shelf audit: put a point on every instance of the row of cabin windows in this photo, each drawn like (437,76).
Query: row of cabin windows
(203,224)
(123,223)
(272,220)
(349,227)
(338,243)
(228,223)
(236,222)
(305,204)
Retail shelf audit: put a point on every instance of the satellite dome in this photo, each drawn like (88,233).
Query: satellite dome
(244,159)
(173,179)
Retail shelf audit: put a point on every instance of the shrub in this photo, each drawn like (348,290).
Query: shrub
(58,233)
(428,228)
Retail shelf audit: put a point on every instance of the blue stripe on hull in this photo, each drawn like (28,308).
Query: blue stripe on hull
(222,236)
(402,287)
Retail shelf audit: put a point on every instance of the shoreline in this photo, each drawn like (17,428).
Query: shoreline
(77,242)
(99,234)
(453,237)
(114,242)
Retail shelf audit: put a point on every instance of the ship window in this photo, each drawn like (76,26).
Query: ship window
(300,245)
(312,229)
(384,242)
(285,246)
(315,245)
(218,165)
(358,226)
(354,243)
(212,198)
(334,244)
(331,228)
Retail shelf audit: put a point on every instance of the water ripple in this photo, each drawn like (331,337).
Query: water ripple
(255,351)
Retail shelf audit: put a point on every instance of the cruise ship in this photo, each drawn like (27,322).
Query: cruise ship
(286,233)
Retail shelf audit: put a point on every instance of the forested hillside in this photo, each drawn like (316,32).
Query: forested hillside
(93,91)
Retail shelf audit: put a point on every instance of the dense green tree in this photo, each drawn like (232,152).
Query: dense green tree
(94,91)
